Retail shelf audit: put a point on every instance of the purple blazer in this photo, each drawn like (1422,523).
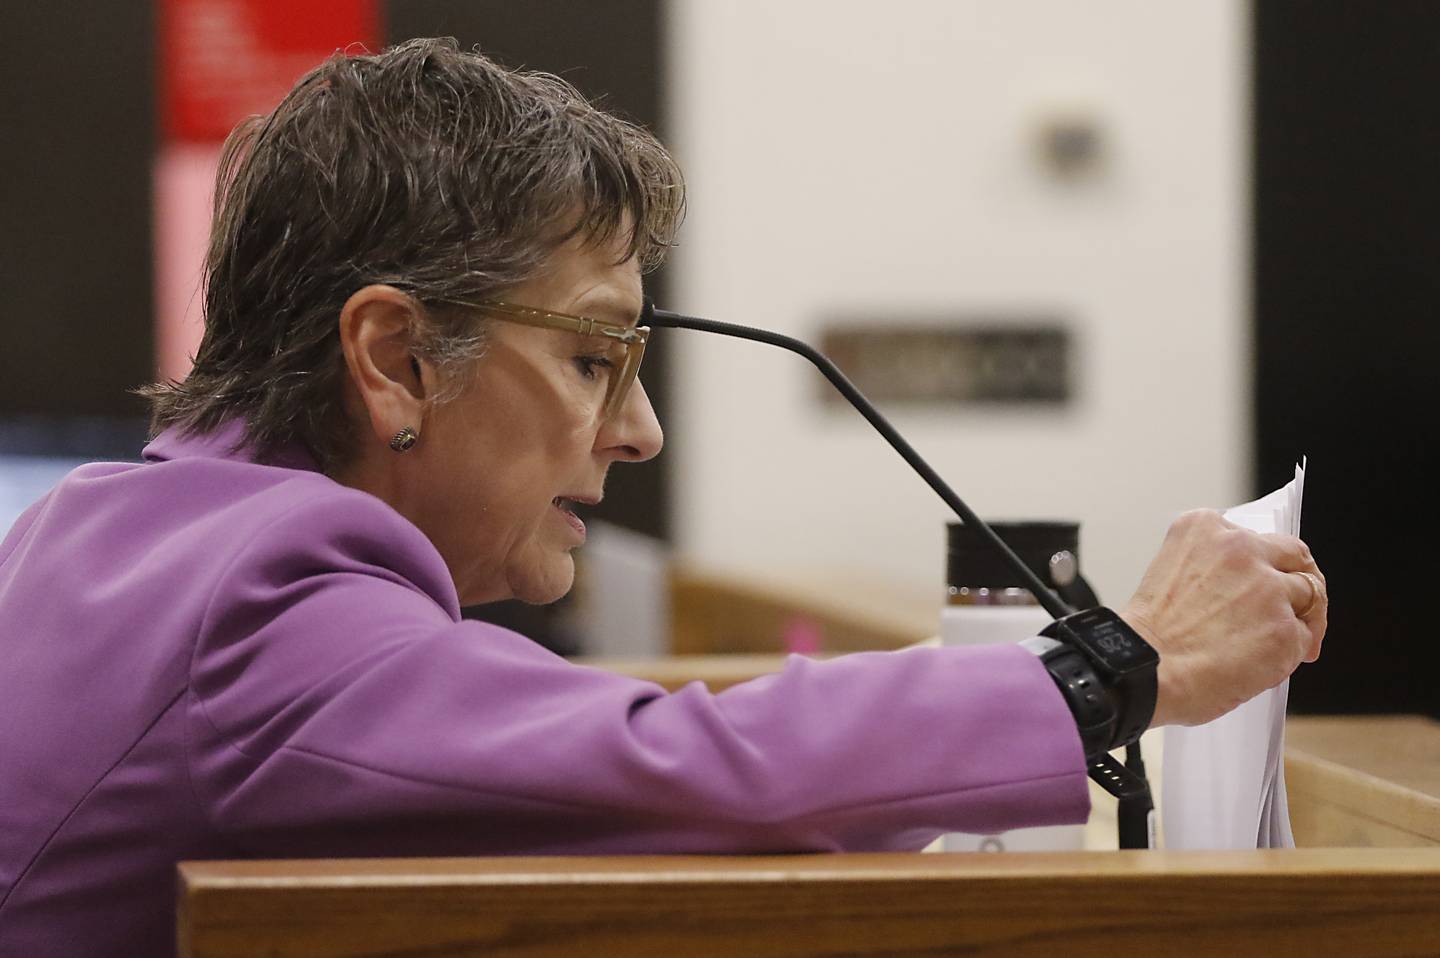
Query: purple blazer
(204,657)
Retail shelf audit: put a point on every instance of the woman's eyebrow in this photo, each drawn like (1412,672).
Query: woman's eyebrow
(622,311)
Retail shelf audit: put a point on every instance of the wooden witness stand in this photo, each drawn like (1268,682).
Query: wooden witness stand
(1296,902)
(1372,784)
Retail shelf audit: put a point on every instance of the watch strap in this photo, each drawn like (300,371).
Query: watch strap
(1091,704)
(1130,678)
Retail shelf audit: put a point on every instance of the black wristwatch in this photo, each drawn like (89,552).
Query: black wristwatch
(1107,674)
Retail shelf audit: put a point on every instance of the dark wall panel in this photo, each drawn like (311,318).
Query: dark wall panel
(1347,278)
(76,99)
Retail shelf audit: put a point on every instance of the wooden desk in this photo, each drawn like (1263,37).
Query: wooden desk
(717,672)
(1364,780)
(1375,902)
(729,612)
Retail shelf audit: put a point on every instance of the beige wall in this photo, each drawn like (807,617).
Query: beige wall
(859,156)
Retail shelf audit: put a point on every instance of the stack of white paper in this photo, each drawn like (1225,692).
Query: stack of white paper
(1224,782)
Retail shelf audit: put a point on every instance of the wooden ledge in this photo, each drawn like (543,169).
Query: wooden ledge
(673,672)
(1364,780)
(1376,902)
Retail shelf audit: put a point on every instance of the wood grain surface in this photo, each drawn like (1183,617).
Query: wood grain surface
(1363,780)
(715,611)
(1298,902)
(717,672)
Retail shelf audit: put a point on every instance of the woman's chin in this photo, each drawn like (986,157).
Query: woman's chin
(548,583)
(535,583)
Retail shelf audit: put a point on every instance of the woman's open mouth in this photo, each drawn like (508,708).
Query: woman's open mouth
(567,510)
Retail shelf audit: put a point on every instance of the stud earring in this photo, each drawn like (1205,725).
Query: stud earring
(404,439)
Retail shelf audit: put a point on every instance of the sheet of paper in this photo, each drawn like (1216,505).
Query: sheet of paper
(1224,782)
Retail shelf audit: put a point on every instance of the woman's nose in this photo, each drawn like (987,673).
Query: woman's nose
(634,435)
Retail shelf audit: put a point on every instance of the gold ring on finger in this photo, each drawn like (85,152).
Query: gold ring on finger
(1316,591)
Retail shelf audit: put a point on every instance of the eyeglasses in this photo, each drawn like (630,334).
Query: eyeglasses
(629,339)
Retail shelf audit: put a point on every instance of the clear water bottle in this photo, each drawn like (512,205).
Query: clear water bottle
(986,602)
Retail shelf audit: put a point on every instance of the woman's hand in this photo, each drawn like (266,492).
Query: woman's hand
(1231,612)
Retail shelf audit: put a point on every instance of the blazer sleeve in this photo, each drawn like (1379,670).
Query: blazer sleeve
(338,707)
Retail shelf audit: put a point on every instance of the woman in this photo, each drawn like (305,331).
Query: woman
(419,361)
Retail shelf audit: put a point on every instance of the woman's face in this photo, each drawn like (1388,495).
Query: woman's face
(502,467)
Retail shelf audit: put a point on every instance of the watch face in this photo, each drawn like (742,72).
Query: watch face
(1111,641)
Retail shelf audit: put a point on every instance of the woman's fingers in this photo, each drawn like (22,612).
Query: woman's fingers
(1305,585)
(1316,613)
(1231,612)
(1310,604)
(1287,553)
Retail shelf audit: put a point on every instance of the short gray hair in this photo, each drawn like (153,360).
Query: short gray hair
(425,167)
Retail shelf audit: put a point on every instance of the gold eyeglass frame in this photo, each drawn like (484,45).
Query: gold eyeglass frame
(632,338)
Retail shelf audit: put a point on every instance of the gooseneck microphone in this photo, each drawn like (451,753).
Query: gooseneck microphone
(1129,785)
(1052,603)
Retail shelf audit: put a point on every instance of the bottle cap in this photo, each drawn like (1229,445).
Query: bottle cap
(1050,549)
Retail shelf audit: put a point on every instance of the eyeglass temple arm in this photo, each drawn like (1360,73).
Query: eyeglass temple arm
(653,317)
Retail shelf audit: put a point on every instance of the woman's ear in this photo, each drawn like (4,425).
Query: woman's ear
(377,330)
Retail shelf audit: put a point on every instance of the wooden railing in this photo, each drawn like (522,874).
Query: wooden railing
(728,612)
(1376,903)
(1364,781)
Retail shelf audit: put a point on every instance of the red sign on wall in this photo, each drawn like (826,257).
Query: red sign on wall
(223,60)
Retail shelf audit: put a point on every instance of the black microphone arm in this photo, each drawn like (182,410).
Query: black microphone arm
(653,317)
(1126,782)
